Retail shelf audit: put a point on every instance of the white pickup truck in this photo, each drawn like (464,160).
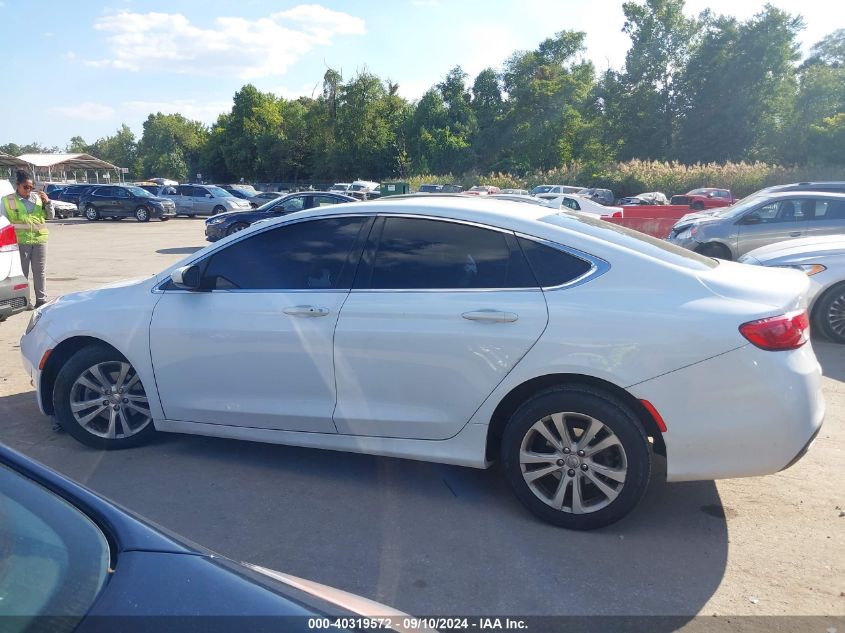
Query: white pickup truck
(14,288)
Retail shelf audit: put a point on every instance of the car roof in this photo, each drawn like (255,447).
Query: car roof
(803,194)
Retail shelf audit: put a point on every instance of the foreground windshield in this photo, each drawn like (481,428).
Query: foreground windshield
(140,193)
(53,558)
(740,207)
(541,189)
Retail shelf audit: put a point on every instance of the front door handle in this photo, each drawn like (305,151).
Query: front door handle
(306,311)
(795,234)
(492,316)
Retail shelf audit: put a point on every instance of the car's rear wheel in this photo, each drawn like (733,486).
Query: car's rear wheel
(91,213)
(236,227)
(99,400)
(142,214)
(576,457)
(829,313)
(218,209)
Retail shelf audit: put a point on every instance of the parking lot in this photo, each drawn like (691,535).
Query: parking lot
(432,539)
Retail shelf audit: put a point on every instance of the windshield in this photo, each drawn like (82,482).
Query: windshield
(217,192)
(247,190)
(53,558)
(541,189)
(140,193)
(740,207)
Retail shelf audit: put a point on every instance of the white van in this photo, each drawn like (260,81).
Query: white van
(14,288)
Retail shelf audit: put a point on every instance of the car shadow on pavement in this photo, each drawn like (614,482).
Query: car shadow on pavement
(425,538)
(182,250)
(831,357)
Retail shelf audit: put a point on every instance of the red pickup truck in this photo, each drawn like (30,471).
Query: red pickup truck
(705,198)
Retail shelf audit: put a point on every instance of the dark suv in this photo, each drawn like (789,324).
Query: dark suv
(118,201)
(72,193)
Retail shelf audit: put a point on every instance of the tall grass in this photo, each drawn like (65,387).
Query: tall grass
(638,176)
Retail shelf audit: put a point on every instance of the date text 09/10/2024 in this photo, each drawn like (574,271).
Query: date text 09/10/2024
(421,624)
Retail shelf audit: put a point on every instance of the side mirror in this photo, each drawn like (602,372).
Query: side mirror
(186,277)
(752,218)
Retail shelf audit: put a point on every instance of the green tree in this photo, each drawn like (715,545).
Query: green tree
(739,89)
(645,107)
(171,146)
(548,91)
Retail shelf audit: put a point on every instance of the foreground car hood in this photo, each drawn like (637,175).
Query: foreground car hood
(350,601)
(805,247)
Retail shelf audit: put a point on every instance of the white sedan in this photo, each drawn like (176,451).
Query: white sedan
(452,330)
(574,202)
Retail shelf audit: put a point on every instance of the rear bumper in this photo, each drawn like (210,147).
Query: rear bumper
(744,413)
(13,301)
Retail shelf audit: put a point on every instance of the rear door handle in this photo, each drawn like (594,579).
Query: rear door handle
(795,234)
(492,316)
(306,311)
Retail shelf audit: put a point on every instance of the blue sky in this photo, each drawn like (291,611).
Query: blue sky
(91,66)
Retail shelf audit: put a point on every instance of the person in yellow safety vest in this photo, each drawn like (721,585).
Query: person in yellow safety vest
(29,212)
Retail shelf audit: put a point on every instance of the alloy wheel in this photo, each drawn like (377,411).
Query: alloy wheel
(573,462)
(836,315)
(109,401)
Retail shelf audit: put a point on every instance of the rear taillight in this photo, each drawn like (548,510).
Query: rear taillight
(617,214)
(8,239)
(784,332)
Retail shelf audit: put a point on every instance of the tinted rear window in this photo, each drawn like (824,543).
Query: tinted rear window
(552,266)
(651,246)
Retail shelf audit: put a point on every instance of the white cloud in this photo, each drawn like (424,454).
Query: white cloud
(205,111)
(87,111)
(413,90)
(169,42)
(311,89)
(486,45)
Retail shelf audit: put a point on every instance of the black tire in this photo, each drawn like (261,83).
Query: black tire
(73,369)
(237,227)
(218,209)
(91,213)
(164,218)
(713,249)
(697,206)
(631,452)
(829,313)
(142,214)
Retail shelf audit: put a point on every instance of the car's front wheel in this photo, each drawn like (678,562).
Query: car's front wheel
(142,214)
(91,213)
(236,227)
(99,400)
(829,313)
(218,209)
(576,457)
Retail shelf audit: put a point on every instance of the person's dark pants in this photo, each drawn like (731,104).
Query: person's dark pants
(35,256)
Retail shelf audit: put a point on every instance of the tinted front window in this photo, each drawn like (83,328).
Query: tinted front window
(292,204)
(104,192)
(416,253)
(53,559)
(301,256)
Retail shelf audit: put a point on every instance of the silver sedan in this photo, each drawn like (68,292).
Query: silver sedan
(823,260)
